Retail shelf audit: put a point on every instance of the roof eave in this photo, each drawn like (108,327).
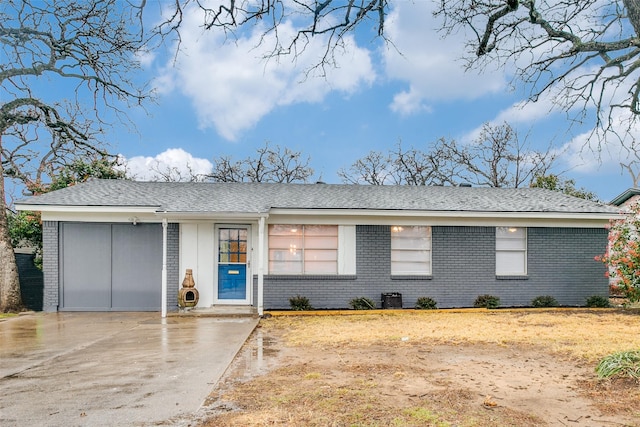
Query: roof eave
(624,196)
(211,215)
(605,216)
(86,209)
(379,213)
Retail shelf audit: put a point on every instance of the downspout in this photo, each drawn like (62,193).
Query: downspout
(261,266)
(164,268)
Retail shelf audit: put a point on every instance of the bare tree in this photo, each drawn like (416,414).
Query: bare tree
(495,159)
(269,165)
(416,167)
(226,169)
(375,168)
(167,173)
(398,167)
(632,164)
(580,54)
(87,48)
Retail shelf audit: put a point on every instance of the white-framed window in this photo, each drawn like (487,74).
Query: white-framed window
(511,251)
(303,249)
(410,250)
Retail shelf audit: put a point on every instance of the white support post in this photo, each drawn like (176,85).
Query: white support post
(261,266)
(164,268)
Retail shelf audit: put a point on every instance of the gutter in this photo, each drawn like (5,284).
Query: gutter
(86,209)
(450,214)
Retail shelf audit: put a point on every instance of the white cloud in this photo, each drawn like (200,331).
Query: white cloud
(590,152)
(582,154)
(409,102)
(520,115)
(145,57)
(232,87)
(526,112)
(174,164)
(430,64)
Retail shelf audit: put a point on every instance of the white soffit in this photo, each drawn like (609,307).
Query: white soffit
(445,214)
(87,209)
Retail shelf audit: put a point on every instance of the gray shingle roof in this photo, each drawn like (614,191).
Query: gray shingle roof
(260,197)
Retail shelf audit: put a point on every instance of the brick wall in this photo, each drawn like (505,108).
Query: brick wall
(563,265)
(560,263)
(633,199)
(174,281)
(50,251)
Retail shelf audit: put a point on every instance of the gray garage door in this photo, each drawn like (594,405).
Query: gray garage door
(110,267)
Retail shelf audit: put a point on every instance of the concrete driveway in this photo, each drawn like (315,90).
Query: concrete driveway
(94,369)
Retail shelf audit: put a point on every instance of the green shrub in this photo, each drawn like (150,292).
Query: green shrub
(362,303)
(544,301)
(300,303)
(426,303)
(487,301)
(598,301)
(622,364)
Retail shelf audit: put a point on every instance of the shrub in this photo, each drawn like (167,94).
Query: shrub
(426,303)
(614,290)
(597,301)
(362,303)
(622,257)
(487,301)
(544,301)
(622,364)
(300,303)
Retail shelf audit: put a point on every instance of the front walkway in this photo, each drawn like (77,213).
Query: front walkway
(217,310)
(95,369)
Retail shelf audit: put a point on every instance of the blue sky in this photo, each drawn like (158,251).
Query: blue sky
(223,99)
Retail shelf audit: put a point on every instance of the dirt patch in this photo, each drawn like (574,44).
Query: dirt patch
(303,377)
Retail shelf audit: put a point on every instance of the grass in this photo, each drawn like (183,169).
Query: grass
(582,333)
(624,364)
(287,397)
(422,415)
(348,378)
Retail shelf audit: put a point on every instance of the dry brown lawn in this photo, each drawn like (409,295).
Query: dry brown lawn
(527,367)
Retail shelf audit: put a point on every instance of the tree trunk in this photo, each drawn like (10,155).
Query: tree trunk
(633,14)
(10,299)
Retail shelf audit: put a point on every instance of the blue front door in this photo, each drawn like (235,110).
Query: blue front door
(232,282)
(232,264)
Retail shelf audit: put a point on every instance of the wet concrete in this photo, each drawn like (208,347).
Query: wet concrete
(260,354)
(95,369)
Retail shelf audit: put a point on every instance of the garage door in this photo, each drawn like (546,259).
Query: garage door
(110,267)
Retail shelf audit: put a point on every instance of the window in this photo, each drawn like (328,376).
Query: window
(233,245)
(511,251)
(410,250)
(303,249)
